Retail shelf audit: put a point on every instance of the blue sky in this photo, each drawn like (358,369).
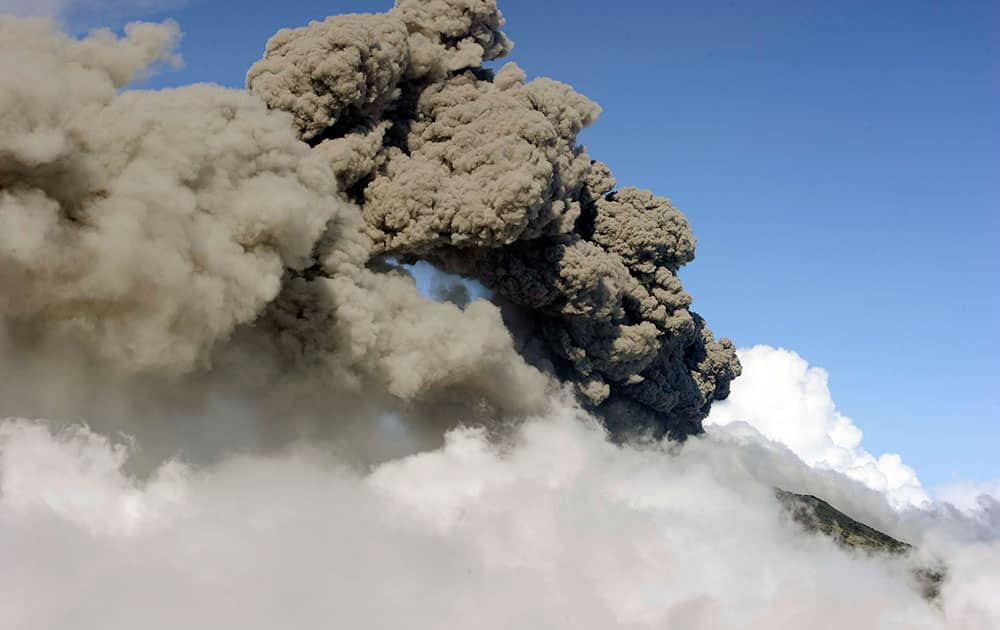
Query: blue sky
(838,162)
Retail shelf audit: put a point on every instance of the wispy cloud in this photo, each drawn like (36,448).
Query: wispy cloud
(68,8)
(968,495)
(34,7)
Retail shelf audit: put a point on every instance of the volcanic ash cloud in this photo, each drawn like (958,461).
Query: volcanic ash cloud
(480,173)
(196,232)
(218,272)
(151,229)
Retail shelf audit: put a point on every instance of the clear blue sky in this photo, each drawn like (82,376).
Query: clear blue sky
(839,162)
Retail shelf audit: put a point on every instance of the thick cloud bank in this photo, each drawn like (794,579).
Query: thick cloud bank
(788,401)
(475,534)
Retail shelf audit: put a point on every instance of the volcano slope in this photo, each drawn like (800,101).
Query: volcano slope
(817,516)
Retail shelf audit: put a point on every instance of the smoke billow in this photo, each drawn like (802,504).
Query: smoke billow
(153,230)
(146,225)
(480,173)
(207,292)
(166,232)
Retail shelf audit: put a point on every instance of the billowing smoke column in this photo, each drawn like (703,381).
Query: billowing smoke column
(216,274)
(147,224)
(480,173)
(156,229)
(203,231)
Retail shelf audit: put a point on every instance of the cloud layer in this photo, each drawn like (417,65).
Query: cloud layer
(473,534)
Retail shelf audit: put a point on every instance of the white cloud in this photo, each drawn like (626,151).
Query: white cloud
(77,475)
(968,496)
(557,528)
(789,401)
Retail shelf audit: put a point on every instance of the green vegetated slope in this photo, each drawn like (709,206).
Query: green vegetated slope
(816,515)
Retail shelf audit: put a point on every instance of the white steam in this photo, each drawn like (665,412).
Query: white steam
(556,528)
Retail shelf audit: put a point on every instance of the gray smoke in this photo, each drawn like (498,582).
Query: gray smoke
(145,225)
(480,173)
(189,241)
(181,234)
(208,279)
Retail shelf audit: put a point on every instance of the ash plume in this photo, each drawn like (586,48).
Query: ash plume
(146,225)
(225,401)
(204,235)
(480,173)
(167,232)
